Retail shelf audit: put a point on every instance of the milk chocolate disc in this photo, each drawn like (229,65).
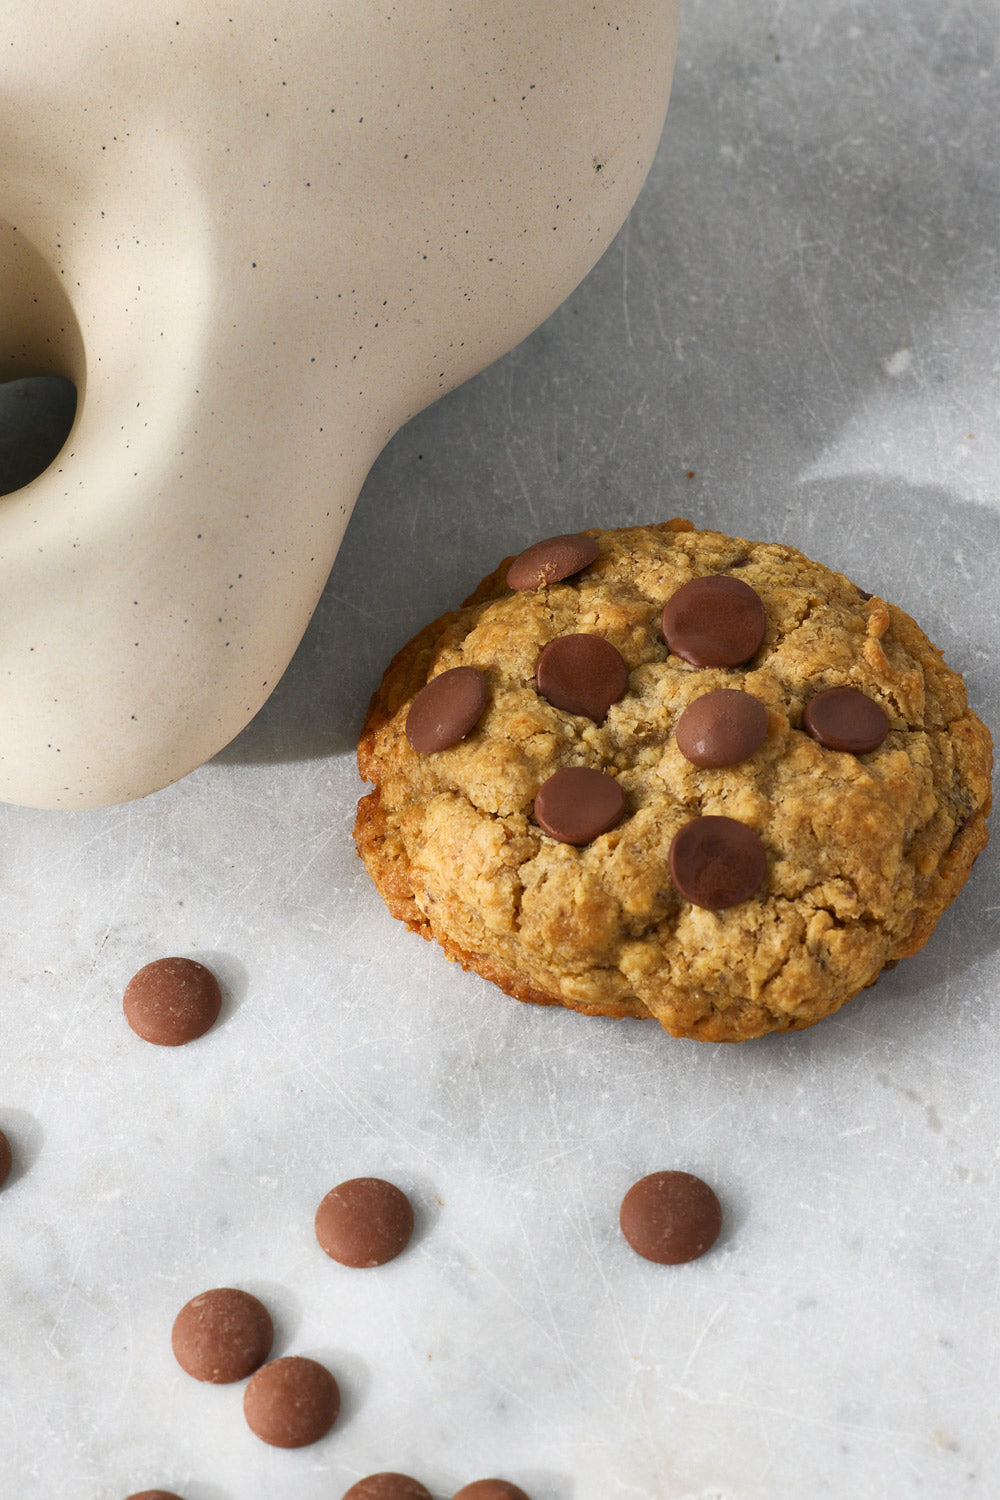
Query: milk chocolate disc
(388,1487)
(582,674)
(550,561)
(717,862)
(490,1489)
(842,718)
(716,621)
(291,1402)
(153,1495)
(364,1222)
(172,1001)
(222,1335)
(721,728)
(578,804)
(446,709)
(6,1158)
(670,1217)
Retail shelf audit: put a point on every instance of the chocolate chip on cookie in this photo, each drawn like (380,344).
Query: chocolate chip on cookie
(446,709)
(582,674)
(551,561)
(717,862)
(714,622)
(721,728)
(578,804)
(842,718)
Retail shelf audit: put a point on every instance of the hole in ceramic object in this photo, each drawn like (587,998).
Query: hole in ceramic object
(36,415)
(41,360)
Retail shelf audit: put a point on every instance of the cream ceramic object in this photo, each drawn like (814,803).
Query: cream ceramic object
(258,239)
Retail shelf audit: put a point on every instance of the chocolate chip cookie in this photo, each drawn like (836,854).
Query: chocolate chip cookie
(659,771)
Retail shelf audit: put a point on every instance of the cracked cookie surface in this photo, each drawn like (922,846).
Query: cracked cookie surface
(863,851)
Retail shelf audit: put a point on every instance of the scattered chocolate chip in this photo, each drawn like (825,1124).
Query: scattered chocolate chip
(741,560)
(364,1222)
(153,1495)
(721,728)
(388,1487)
(578,804)
(842,718)
(550,561)
(6,1158)
(670,1217)
(582,674)
(222,1335)
(717,862)
(446,709)
(490,1489)
(291,1402)
(864,594)
(172,1001)
(716,621)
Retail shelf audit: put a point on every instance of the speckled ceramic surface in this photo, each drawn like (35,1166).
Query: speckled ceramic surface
(257,243)
(792,338)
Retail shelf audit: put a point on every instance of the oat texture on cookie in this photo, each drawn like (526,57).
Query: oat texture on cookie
(785,784)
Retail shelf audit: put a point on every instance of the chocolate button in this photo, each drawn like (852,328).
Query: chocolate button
(670,1217)
(842,718)
(222,1335)
(388,1487)
(578,804)
(291,1402)
(721,728)
(582,674)
(490,1489)
(364,1222)
(446,708)
(153,1495)
(172,1001)
(714,622)
(717,862)
(550,561)
(6,1158)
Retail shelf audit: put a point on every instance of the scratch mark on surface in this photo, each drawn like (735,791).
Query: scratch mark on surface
(703,1334)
